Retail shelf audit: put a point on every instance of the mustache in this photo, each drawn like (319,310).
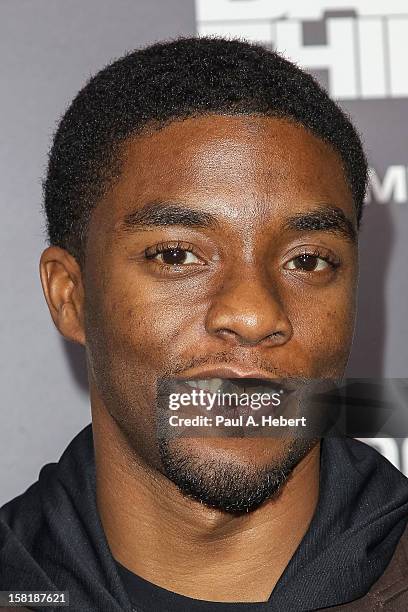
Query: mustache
(223,358)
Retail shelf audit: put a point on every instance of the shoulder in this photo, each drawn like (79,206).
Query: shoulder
(393,584)
(390,591)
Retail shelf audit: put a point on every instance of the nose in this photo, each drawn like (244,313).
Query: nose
(249,311)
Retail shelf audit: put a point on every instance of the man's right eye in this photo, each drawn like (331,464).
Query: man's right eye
(177,257)
(177,254)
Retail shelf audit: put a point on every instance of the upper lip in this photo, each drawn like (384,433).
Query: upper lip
(226,372)
(288,383)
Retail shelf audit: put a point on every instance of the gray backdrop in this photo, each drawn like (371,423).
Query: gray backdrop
(48,48)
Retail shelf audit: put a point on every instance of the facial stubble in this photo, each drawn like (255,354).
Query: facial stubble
(227,484)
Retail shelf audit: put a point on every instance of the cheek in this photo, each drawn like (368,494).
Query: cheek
(323,330)
(141,328)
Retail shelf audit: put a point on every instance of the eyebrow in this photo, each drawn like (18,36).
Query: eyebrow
(163,214)
(324,218)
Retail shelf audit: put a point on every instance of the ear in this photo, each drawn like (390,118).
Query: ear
(63,289)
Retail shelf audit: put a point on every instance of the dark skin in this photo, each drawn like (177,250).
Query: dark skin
(239,295)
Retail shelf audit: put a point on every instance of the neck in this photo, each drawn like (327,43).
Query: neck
(185,547)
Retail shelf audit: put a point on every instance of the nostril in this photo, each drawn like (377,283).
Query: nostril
(245,324)
(277,337)
(228,333)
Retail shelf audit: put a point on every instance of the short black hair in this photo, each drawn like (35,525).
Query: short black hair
(171,80)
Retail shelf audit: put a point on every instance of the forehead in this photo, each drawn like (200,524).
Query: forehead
(235,160)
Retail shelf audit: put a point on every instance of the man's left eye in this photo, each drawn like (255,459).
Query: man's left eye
(308,263)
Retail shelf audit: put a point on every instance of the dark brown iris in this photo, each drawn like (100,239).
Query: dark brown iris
(173,256)
(305,262)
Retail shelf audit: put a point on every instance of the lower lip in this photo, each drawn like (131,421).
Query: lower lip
(244,410)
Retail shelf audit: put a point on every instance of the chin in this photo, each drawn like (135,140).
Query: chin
(233,475)
(236,451)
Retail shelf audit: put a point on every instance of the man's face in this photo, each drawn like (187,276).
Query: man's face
(227,241)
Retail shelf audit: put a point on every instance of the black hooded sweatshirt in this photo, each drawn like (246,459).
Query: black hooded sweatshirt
(51,537)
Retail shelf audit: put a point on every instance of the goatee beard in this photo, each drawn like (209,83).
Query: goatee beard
(230,486)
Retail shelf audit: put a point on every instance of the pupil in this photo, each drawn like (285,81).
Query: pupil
(306,262)
(173,256)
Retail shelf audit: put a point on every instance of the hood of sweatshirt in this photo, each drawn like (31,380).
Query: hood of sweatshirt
(51,537)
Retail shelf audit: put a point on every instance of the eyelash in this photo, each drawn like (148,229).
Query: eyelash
(151,252)
(333,261)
